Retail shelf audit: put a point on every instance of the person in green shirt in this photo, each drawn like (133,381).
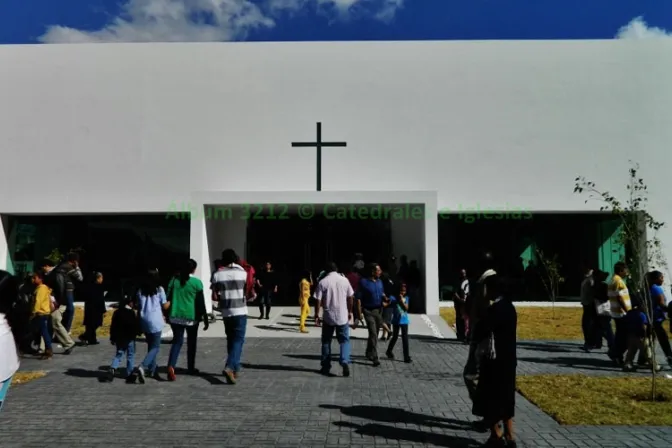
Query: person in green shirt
(186,310)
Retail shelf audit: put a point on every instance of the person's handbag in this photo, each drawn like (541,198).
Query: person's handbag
(603,308)
(486,349)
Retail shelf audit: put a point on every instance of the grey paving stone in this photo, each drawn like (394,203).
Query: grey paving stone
(281,401)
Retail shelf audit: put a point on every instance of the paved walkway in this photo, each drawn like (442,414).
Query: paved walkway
(281,401)
(284,322)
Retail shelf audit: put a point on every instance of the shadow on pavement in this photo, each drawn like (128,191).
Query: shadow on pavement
(583,363)
(396,415)
(277,367)
(409,435)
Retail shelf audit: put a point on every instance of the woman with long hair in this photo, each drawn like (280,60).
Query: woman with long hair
(186,305)
(151,303)
(496,338)
(14,325)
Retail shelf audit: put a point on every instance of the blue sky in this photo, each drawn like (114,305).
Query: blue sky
(73,21)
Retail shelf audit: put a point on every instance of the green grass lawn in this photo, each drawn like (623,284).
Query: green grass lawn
(540,323)
(78,324)
(585,400)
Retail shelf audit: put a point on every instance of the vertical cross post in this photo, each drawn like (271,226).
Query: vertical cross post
(318,144)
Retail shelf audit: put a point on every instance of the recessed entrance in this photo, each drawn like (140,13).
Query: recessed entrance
(304,230)
(298,241)
(297,237)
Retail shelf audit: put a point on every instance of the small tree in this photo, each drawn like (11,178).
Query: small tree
(55,256)
(550,275)
(638,235)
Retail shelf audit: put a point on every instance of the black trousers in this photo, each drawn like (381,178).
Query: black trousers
(588,325)
(460,327)
(396,328)
(621,338)
(374,322)
(661,336)
(605,331)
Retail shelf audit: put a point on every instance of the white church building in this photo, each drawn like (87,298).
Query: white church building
(104,141)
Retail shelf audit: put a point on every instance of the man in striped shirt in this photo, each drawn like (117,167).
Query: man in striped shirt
(619,300)
(229,286)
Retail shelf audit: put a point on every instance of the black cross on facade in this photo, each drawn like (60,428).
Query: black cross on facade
(319,144)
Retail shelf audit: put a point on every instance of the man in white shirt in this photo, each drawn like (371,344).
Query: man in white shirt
(334,296)
(229,286)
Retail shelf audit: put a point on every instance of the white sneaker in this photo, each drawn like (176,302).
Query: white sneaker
(141,375)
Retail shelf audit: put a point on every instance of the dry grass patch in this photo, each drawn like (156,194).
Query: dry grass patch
(78,323)
(25,377)
(585,400)
(540,323)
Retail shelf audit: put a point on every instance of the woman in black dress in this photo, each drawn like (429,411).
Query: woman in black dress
(496,390)
(94,309)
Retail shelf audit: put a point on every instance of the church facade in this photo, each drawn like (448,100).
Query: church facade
(417,134)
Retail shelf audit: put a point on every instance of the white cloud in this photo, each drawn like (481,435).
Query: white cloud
(638,29)
(208,20)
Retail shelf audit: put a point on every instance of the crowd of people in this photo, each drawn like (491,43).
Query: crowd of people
(638,318)
(41,309)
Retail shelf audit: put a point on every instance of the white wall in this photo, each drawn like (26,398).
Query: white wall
(133,127)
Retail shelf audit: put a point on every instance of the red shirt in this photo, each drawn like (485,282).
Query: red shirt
(354,279)
(249,283)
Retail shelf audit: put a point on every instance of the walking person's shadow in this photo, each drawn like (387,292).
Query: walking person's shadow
(409,435)
(396,415)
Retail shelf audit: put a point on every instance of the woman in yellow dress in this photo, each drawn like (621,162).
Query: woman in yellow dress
(304,298)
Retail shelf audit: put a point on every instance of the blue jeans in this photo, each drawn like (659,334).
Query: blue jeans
(69,314)
(178,341)
(153,346)
(4,387)
(127,349)
(234,327)
(42,323)
(343,337)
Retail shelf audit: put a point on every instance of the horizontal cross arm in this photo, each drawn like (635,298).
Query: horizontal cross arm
(315,144)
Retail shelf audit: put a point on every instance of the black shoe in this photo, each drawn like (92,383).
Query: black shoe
(390,355)
(193,371)
(376,363)
(408,360)
(494,443)
(480,426)
(346,370)
(130,379)
(261,317)
(324,371)
(109,375)
(267,317)
(68,350)
(157,377)
(93,342)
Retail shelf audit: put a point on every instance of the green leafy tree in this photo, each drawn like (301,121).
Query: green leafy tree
(55,256)
(638,235)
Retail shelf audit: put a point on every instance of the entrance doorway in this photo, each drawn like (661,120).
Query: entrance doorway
(296,243)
